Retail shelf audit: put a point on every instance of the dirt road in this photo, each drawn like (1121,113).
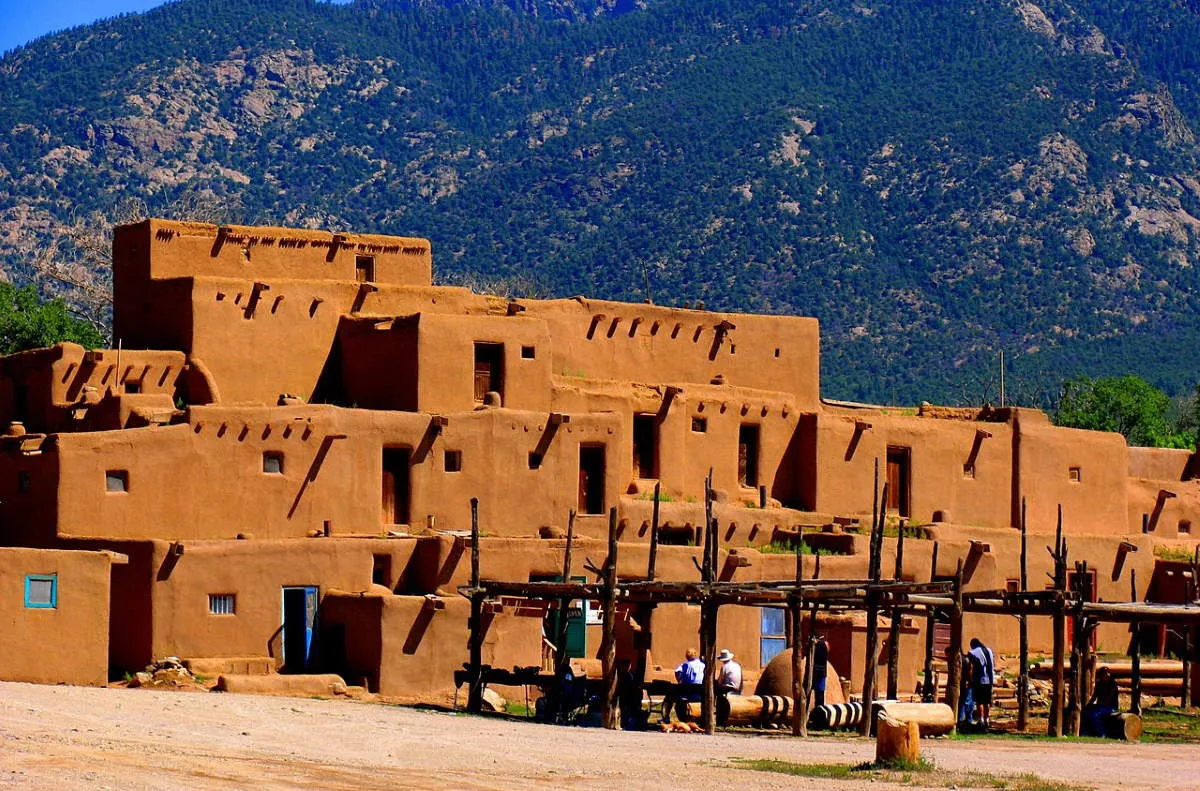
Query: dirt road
(79,738)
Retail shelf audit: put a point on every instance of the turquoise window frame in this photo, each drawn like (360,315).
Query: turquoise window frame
(53,580)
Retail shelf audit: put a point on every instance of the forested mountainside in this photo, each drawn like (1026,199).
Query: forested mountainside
(935,181)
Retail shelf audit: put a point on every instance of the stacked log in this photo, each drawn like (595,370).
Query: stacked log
(833,716)
(933,719)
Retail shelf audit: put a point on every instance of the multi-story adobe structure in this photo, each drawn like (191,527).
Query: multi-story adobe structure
(274,468)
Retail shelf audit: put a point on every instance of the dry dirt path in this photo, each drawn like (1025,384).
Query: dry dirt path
(79,738)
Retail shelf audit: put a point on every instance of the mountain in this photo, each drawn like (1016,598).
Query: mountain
(935,181)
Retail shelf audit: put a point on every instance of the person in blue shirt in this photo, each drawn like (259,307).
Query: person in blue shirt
(983,675)
(689,677)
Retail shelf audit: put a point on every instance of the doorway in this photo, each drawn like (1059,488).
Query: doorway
(397,465)
(299,623)
(489,370)
(645,446)
(591,479)
(748,455)
(899,477)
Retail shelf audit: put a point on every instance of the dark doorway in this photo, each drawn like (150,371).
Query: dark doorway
(364,268)
(748,455)
(299,622)
(591,479)
(899,477)
(489,370)
(645,446)
(396,487)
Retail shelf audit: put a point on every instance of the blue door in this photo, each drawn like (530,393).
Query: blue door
(299,623)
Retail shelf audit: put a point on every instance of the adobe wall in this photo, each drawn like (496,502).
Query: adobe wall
(961,471)
(1084,471)
(63,644)
(595,339)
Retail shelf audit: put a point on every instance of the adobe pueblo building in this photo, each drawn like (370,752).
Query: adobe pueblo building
(273,470)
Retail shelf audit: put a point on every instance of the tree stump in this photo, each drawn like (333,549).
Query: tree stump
(897,741)
(933,719)
(1125,726)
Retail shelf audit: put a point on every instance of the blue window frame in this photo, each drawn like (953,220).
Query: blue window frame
(772,634)
(41,591)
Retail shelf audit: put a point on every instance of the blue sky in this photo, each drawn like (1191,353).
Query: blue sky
(21,21)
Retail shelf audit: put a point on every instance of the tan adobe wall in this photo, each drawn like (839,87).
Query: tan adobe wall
(1084,471)
(1168,509)
(1165,464)
(66,388)
(66,643)
(960,471)
(332,470)
(164,249)
(656,345)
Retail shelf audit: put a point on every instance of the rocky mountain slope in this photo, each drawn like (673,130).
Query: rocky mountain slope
(936,182)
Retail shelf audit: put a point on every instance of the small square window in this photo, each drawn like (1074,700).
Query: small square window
(41,591)
(535,460)
(968,470)
(1075,474)
(1185,525)
(24,483)
(133,388)
(116,481)
(453,461)
(272,462)
(222,603)
(1012,586)
(527,353)
(700,425)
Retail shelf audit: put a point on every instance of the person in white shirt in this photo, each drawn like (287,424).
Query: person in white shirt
(729,682)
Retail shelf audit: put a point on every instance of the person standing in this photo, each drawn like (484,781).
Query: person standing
(729,682)
(983,675)
(820,671)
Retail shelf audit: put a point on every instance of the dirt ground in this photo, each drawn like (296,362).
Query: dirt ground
(79,738)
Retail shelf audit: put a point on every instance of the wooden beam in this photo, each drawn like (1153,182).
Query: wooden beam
(929,690)
(795,603)
(1023,624)
(475,623)
(611,716)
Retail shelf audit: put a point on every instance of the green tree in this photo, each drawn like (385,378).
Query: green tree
(26,322)
(1128,405)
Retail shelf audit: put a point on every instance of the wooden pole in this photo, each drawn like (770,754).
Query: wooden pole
(1059,626)
(893,670)
(929,693)
(561,660)
(1135,653)
(611,707)
(1023,623)
(871,652)
(1185,689)
(1075,688)
(645,638)
(799,698)
(708,614)
(954,660)
(475,624)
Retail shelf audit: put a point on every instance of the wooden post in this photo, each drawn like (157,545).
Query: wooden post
(1023,623)
(1059,626)
(1135,653)
(795,611)
(561,661)
(954,660)
(611,707)
(929,691)
(708,613)
(1185,688)
(893,670)
(645,638)
(1078,635)
(871,652)
(475,624)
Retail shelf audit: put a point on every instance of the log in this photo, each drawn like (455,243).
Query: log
(1124,726)
(897,741)
(752,709)
(1119,669)
(933,719)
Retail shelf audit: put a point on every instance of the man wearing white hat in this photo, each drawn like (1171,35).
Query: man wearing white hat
(729,682)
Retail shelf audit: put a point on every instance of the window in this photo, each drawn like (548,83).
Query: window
(222,603)
(1185,525)
(453,461)
(591,479)
(364,268)
(527,353)
(381,570)
(748,455)
(699,424)
(272,462)
(116,481)
(645,446)
(133,388)
(1012,585)
(41,591)
(772,634)
(1075,474)
(489,370)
